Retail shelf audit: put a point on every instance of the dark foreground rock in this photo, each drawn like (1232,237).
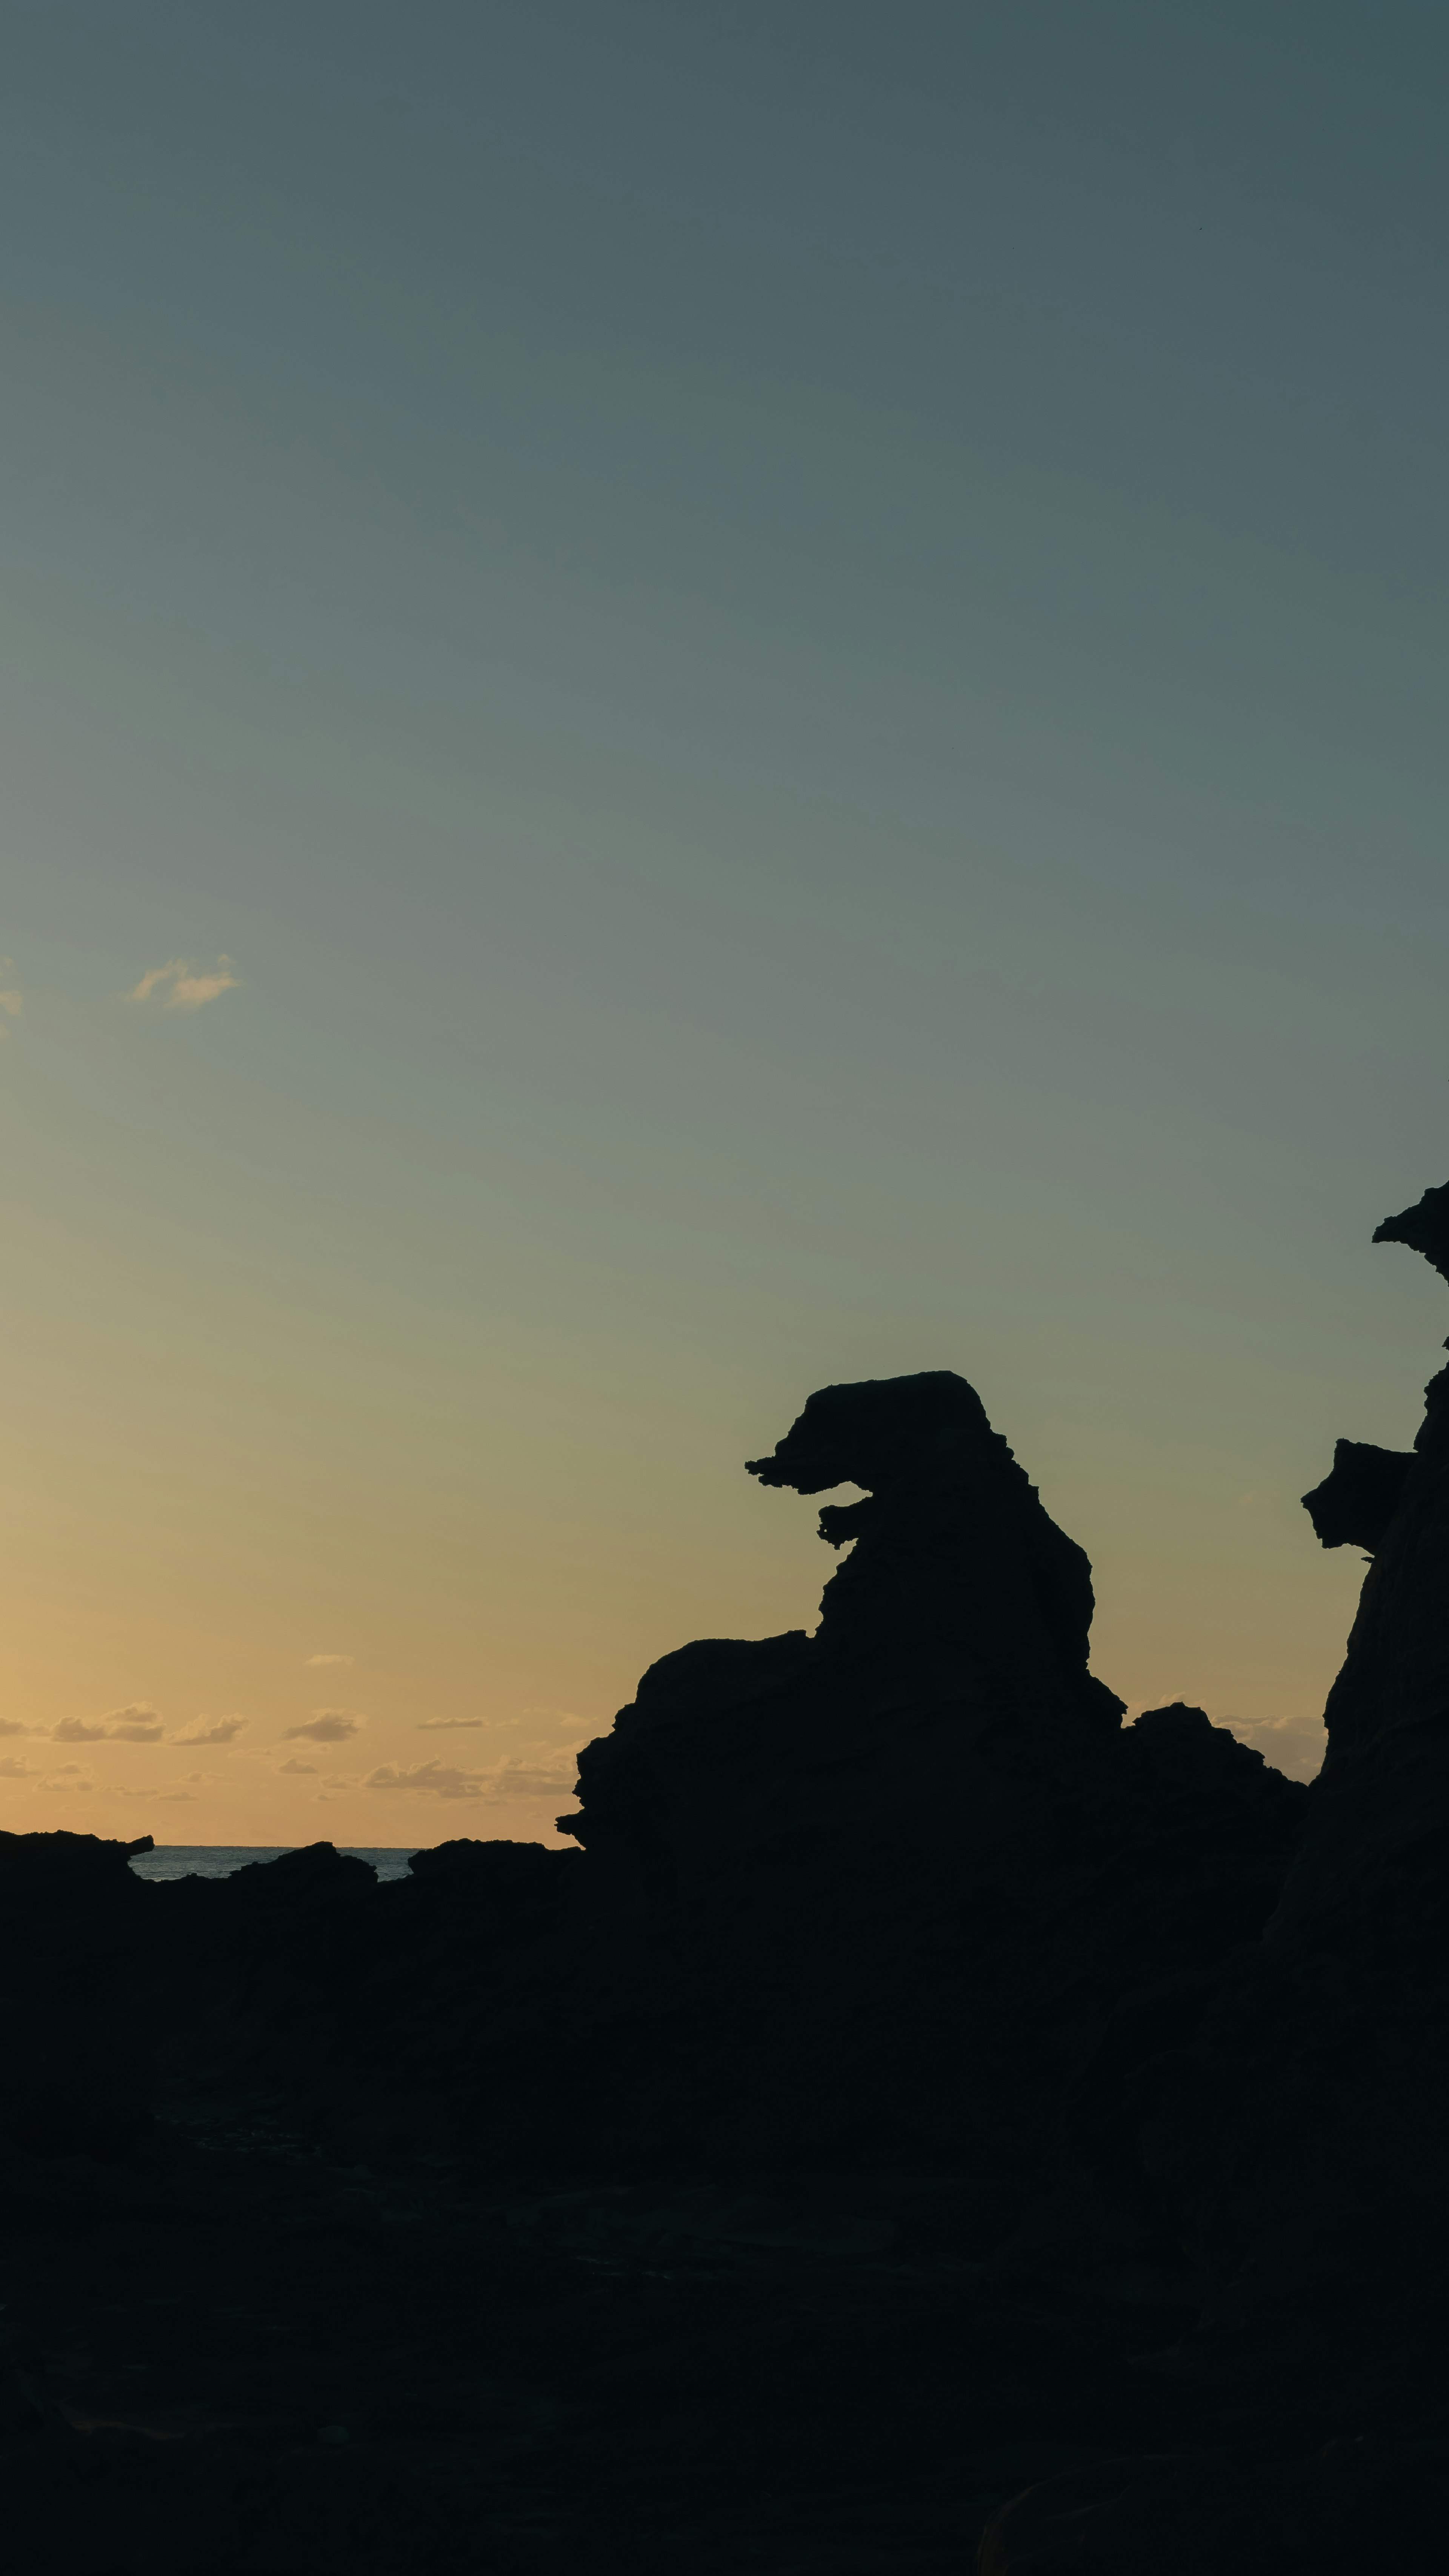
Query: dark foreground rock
(1356,2504)
(922,2115)
(75,2067)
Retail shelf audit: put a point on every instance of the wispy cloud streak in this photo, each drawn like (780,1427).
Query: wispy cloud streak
(327,1726)
(138,1724)
(210,1730)
(182,985)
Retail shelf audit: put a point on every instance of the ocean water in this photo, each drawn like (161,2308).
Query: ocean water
(218,1860)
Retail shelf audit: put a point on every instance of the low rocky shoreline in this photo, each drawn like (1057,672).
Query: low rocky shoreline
(923,2124)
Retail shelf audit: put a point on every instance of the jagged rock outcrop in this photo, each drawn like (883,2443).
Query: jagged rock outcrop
(1120,2089)
(880,1889)
(886,1945)
(76,2073)
(886,1874)
(1388,1711)
(1351,2506)
(1286,2113)
(1424,1227)
(1358,1499)
(962,1609)
(1359,1943)
(955,1566)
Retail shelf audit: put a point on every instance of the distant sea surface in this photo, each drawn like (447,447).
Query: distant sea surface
(218,1860)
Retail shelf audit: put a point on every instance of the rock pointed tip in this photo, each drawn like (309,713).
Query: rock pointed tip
(1360,1495)
(1423,1227)
(875,1428)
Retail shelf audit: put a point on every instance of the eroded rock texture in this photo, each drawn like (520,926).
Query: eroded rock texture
(837,2128)
(882,1889)
(76,2077)
(1286,2114)
(1388,1711)
(954,1566)
(1357,1500)
(961,1612)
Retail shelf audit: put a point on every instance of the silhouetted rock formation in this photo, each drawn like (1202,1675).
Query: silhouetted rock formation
(77,2077)
(1360,1939)
(1355,2505)
(1356,1502)
(804,1860)
(954,1564)
(55,1868)
(1424,1228)
(825,1852)
(884,1941)
(629,1802)
(1182,1753)
(961,1606)
(1390,1704)
(509,1870)
(1284,2115)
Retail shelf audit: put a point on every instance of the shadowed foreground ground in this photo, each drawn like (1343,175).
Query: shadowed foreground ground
(923,2126)
(705,2376)
(260,2360)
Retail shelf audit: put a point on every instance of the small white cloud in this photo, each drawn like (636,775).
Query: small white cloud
(182,985)
(554,1725)
(10,1769)
(180,1787)
(1295,1745)
(137,1724)
(433,1779)
(210,1730)
(539,1770)
(327,1726)
(314,1661)
(447,1725)
(551,1775)
(69,1776)
(14,1726)
(308,1769)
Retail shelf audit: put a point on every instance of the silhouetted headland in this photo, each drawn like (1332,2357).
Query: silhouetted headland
(921,2122)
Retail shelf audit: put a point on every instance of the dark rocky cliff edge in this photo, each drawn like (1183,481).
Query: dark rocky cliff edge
(921,2124)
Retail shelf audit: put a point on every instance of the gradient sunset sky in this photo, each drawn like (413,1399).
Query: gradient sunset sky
(696,699)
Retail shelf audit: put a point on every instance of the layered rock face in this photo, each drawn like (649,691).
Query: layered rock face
(896,1916)
(1292,2131)
(961,1610)
(956,1571)
(1381,1808)
(883,1889)
(1390,1703)
(76,2073)
(1359,1497)
(870,1878)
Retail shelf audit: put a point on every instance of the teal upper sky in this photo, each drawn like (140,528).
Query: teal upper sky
(787,665)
